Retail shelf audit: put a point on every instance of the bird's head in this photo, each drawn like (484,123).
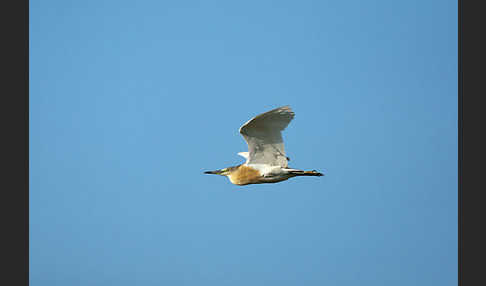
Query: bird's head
(222,172)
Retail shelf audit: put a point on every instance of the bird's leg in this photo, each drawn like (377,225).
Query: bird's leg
(304,173)
(312,173)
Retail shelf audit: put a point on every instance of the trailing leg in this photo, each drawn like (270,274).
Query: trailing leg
(296,173)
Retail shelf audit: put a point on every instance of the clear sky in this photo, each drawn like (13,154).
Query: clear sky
(131,101)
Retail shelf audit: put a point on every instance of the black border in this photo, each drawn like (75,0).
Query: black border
(471,189)
(14,23)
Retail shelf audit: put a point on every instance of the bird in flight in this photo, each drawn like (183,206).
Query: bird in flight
(266,161)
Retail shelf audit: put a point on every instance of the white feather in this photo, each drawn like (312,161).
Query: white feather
(245,155)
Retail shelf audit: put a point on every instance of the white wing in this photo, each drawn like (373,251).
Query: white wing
(263,136)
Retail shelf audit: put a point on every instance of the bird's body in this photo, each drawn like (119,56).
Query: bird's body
(266,161)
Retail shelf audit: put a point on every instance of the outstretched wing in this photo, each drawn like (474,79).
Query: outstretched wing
(263,136)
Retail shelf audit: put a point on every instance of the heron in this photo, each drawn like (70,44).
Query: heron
(266,161)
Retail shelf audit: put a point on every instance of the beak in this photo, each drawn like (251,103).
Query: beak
(217,172)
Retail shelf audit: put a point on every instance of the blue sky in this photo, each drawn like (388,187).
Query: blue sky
(130,101)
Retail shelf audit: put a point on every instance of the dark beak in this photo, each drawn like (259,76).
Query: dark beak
(212,172)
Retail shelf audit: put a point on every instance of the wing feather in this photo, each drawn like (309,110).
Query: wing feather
(263,135)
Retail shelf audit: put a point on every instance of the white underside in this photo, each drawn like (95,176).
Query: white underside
(272,173)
